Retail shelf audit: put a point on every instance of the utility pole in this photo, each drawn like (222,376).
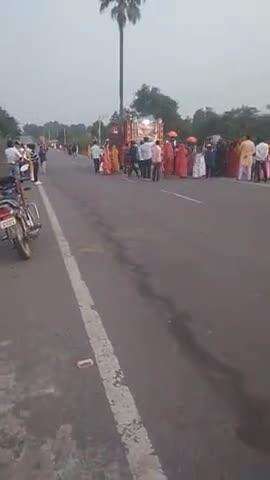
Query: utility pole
(100,120)
(99,131)
(65,137)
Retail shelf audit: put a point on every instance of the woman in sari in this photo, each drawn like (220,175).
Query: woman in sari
(181,161)
(168,158)
(233,160)
(106,160)
(114,160)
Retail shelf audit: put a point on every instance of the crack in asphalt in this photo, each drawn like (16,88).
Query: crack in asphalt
(253,412)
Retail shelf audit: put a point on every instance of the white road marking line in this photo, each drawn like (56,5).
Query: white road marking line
(183,196)
(144,464)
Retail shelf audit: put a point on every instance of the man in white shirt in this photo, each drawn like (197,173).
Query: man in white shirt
(13,157)
(156,160)
(95,155)
(12,154)
(146,156)
(261,156)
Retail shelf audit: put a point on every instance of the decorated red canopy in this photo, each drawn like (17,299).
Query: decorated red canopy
(172,134)
(192,140)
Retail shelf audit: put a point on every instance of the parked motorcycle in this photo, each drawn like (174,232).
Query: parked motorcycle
(19,220)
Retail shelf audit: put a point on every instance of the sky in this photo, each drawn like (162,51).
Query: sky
(59,58)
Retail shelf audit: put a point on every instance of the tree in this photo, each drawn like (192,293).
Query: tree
(240,121)
(8,125)
(33,130)
(206,122)
(98,129)
(122,11)
(150,101)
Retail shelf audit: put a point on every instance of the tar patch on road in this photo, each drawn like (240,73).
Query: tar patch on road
(253,413)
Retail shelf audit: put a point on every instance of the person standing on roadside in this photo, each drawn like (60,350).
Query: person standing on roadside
(209,157)
(13,158)
(261,157)
(43,158)
(35,160)
(181,161)
(156,161)
(95,152)
(133,159)
(146,153)
(168,158)
(247,151)
(115,159)
(125,156)
(74,150)
(140,162)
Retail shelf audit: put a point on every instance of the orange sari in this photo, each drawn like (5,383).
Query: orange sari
(106,161)
(181,161)
(168,158)
(114,160)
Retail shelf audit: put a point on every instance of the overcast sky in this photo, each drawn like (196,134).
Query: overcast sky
(59,58)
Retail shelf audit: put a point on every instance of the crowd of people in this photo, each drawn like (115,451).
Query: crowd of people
(241,159)
(17,153)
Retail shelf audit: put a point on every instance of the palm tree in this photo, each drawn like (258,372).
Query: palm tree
(122,11)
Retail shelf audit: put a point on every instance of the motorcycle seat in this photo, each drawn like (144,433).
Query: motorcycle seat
(9,201)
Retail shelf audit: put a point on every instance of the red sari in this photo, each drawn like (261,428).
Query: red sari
(168,158)
(181,161)
(233,160)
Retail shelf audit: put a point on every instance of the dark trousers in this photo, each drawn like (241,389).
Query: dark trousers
(148,167)
(96,164)
(141,167)
(156,172)
(209,171)
(257,174)
(35,171)
(133,166)
(253,171)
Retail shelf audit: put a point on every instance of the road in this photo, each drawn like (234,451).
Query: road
(166,287)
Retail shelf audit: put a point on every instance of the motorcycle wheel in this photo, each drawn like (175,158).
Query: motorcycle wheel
(21,243)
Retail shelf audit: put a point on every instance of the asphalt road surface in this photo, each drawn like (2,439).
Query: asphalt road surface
(167,288)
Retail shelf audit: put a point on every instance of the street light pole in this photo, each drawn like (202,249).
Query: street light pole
(99,131)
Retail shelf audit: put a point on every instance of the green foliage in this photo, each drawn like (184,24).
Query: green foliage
(150,101)
(8,125)
(32,130)
(205,121)
(234,123)
(123,10)
(94,131)
(231,124)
